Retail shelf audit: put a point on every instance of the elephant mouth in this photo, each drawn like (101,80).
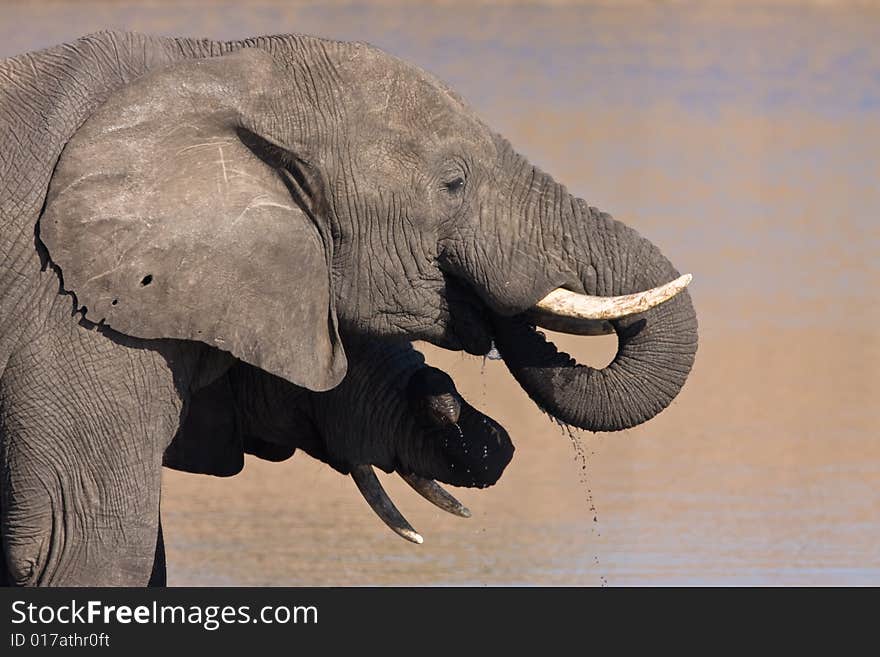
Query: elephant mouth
(470,322)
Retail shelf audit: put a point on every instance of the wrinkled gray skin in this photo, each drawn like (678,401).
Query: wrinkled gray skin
(198,240)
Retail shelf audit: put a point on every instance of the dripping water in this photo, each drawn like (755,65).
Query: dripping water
(492,354)
(581,457)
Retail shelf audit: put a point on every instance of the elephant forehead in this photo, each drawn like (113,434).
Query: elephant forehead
(391,96)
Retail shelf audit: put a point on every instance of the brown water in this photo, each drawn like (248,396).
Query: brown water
(745,141)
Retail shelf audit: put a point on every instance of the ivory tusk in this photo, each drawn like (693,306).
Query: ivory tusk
(564,303)
(436,495)
(568,325)
(382,506)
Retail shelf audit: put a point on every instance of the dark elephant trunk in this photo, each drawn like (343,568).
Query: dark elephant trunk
(656,349)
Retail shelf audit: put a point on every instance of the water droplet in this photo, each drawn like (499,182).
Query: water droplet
(492,354)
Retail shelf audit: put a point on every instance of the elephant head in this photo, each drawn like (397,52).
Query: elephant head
(289,190)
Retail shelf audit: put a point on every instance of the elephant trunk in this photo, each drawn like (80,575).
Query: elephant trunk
(656,348)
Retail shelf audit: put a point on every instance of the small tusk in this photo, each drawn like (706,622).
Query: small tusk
(434,493)
(381,504)
(563,303)
(568,325)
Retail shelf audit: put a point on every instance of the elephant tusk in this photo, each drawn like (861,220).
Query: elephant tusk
(567,304)
(434,493)
(382,506)
(568,325)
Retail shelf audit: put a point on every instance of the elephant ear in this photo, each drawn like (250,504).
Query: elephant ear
(167,220)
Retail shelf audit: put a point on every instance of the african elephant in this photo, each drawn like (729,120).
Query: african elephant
(217,248)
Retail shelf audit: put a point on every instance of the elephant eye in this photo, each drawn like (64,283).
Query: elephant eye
(455,185)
